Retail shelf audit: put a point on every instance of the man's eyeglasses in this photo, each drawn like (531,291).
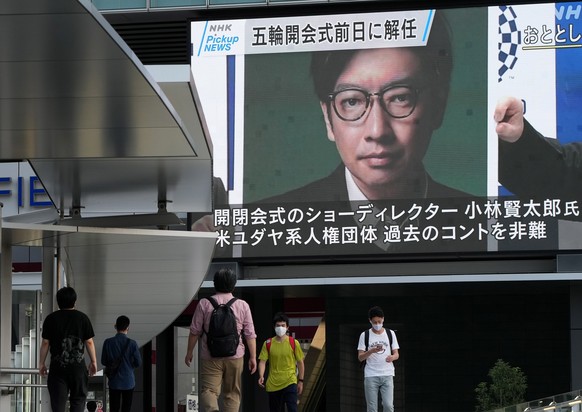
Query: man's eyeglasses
(351,104)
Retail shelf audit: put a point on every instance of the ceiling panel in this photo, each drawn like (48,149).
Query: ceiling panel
(97,128)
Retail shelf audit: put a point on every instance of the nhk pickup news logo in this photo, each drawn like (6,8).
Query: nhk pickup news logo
(219,38)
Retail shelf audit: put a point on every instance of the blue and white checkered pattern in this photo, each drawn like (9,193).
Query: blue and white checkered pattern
(509,40)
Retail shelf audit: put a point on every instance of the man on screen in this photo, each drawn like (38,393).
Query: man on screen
(531,165)
(380,107)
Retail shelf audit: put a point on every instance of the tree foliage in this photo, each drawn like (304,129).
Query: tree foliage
(507,387)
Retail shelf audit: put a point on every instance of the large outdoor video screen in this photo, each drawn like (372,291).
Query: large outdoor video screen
(424,131)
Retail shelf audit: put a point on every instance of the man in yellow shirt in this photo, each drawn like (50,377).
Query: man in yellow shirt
(286,367)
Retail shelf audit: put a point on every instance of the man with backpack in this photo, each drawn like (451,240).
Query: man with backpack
(67,333)
(286,367)
(378,349)
(219,322)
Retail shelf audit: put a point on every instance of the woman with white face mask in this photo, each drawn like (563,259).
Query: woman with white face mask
(379,351)
(286,367)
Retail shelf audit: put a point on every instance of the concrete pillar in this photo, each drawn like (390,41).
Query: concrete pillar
(47,302)
(5,313)
(576,334)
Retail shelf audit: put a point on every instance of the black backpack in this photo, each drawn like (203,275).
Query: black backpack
(367,342)
(222,336)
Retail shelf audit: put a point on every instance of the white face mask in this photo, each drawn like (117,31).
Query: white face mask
(377,326)
(280,330)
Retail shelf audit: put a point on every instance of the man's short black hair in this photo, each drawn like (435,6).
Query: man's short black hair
(224,280)
(66,297)
(375,311)
(91,406)
(122,323)
(436,58)
(280,317)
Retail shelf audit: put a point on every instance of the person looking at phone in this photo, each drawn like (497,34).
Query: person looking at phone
(379,351)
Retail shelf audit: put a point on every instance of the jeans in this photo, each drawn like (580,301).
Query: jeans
(286,396)
(68,383)
(120,400)
(384,385)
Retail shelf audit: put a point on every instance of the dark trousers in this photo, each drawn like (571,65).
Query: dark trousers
(68,383)
(120,400)
(286,396)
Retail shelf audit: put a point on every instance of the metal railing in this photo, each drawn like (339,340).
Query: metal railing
(26,393)
(565,402)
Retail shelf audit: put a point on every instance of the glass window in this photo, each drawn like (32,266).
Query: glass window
(221,2)
(304,1)
(176,3)
(119,4)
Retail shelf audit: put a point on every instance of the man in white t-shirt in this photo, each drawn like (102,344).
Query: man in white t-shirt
(379,356)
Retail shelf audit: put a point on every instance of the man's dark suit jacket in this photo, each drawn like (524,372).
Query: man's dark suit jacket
(537,167)
(333,188)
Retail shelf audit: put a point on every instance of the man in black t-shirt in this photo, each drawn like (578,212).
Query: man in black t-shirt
(67,333)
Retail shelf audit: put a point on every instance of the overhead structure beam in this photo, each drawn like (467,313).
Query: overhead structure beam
(151,276)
